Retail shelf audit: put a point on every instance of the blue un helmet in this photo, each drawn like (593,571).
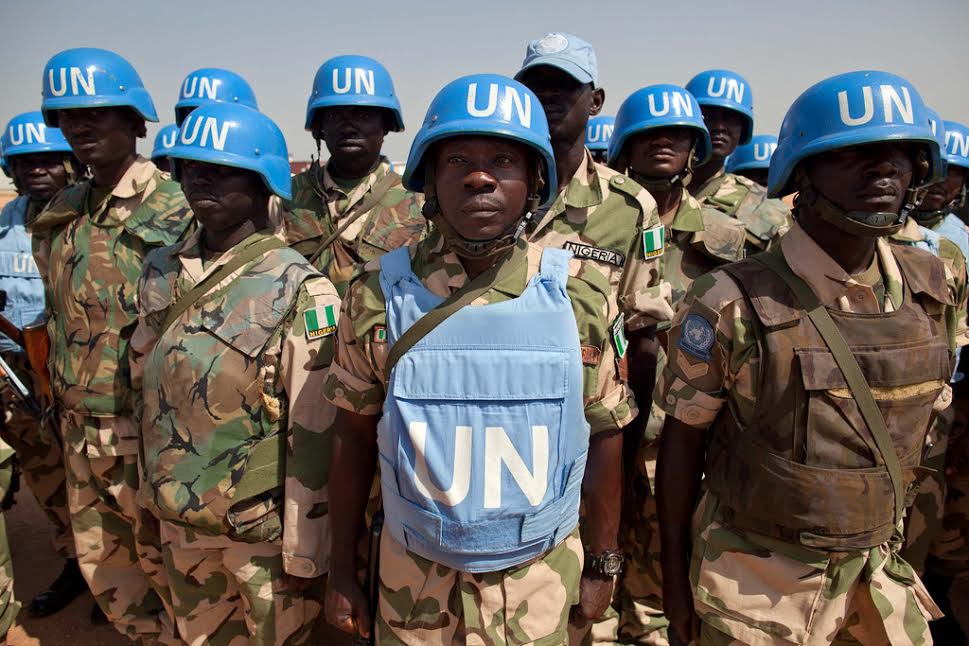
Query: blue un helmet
(212,84)
(353,80)
(729,90)
(753,156)
(229,134)
(659,106)
(164,141)
(957,144)
(3,162)
(27,134)
(854,109)
(598,132)
(91,78)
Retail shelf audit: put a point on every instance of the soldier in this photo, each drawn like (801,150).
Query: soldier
(727,103)
(659,138)
(352,208)
(807,378)
(235,330)
(164,140)
(510,378)
(91,242)
(935,211)
(598,132)
(41,164)
(9,606)
(609,222)
(752,160)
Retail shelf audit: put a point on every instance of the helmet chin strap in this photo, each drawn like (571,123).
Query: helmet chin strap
(664,184)
(465,247)
(865,224)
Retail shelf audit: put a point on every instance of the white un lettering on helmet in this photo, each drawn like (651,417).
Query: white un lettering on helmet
(510,104)
(857,110)
(732,88)
(31,133)
(763,151)
(207,131)
(679,103)
(59,79)
(202,87)
(356,78)
(957,144)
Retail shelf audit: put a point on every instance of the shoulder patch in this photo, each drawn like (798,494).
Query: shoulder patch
(319,321)
(654,241)
(697,337)
(619,336)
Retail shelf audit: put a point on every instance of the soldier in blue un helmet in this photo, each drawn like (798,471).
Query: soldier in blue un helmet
(800,385)
(598,132)
(164,140)
(752,160)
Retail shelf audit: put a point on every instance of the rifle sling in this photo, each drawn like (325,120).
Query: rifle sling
(848,364)
(377,192)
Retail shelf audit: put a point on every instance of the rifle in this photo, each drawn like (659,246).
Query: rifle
(34,340)
(372,583)
(19,389)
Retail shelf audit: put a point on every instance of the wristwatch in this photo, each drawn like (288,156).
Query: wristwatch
(608,563)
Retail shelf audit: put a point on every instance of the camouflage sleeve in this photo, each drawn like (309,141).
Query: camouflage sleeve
(303,367)
(609,404)
(644,297)
(955,273)
(712,353)
(356,380)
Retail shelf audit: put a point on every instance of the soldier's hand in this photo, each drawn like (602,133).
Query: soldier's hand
(679,610)
(346,606)
(595,594)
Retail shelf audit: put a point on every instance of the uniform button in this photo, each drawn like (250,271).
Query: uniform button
(670,399)
(619,180)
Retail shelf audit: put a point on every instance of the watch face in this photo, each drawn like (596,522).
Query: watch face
(612,564)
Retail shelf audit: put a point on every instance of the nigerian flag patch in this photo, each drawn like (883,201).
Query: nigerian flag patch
(619,336)
(654,241)
(379,334)
(320,321)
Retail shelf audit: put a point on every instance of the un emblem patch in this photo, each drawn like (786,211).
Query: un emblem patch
(697,337)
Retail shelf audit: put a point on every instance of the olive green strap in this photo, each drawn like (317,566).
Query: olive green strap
(846,361)
(377,192)
(264,468)
(249,254)
(461,298)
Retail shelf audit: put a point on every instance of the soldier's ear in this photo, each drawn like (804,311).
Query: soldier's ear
(598,100)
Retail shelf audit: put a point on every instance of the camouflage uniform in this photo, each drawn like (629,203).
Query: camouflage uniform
(9,606)
(699,239)
(38,445)
(761,589)
(422,602)
(766,219)
(222,389)
(91,256)
(320,205)
(924,520)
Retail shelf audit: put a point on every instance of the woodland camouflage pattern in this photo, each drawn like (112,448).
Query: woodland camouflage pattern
(766,219)
(782,597)
(319,207)
(412,588)
(235,371)
(9,606)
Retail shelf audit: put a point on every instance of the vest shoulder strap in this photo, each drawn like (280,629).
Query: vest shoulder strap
(771,300)
(924,273)
(395,265)
(377,192)
(555,265)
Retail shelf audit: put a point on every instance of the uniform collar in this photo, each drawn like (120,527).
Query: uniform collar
(189,253)
(133,183)
(910,232)
(584,191)
(363,186)
(443,273)
(712,185)
(688,216)
(834,287)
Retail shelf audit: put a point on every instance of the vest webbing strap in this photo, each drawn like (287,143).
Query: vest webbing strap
(846,361)
(377,192)
(461,298)
(248,255)
(264,469)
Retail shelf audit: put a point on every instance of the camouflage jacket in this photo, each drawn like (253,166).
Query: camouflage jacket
(949,252)
(319,207)
(766,219)
(233,377)
(91,257)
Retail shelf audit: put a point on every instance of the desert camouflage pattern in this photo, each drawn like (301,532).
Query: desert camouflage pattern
(40,452)
(600,216)
(234,593)
(118,547)
(699,239)
(9,606)
(320,206)
(695,391)
(357,382)
(766,219)
(91,256)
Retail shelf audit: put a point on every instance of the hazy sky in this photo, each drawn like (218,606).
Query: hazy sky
(781,46)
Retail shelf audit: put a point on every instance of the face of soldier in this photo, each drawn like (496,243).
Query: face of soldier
(725,128)
(101,136)
(41,175)
(222,197)
(568,104)
(482,184)
(871,178)
(758,175)
(663,152)
(354,136)
(955,179)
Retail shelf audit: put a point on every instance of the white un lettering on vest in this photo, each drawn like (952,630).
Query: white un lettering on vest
(499,451)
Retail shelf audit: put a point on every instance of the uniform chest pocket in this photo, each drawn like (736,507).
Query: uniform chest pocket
(905,382)
(247,326)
